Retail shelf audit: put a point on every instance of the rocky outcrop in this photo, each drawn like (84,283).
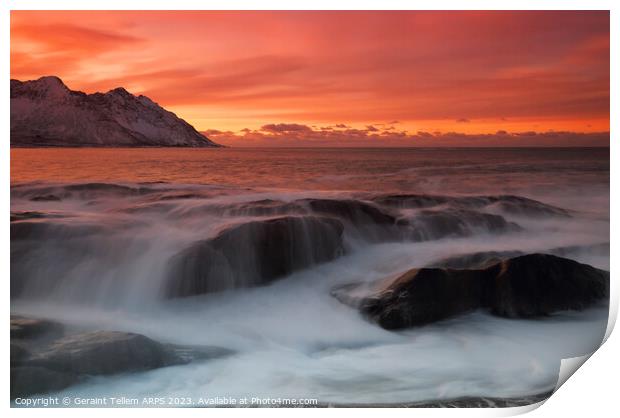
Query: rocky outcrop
(521,287)
(354,211)
(82,191)
(418,297)
(254,253)
(431,224)
(539,284)
(483,259)
(45,112)
(44,358)
(477,260)
(104,352)
(509,204)
(25,327)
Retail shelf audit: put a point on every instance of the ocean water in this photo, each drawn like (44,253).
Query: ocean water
(94,230)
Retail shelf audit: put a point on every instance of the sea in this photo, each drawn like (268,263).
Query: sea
(103,224)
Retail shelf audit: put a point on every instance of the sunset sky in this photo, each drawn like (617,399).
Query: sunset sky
(271,78)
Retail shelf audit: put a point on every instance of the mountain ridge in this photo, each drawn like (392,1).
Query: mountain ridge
(46,113)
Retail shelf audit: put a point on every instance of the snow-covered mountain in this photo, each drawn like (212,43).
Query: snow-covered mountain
(45,112)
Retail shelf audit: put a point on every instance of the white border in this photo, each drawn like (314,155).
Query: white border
(592,392)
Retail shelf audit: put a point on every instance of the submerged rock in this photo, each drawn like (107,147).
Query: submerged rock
(355,211)
(521,287)
(263,207)
(436,224)
(52,229)
(411,201)
(26,327)
(510,204)
(43,360)
(477,260)
(105,352)
(27,381)
(18,354)
(482,259)
(254,253)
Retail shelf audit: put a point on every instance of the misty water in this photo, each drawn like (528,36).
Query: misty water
(101,226)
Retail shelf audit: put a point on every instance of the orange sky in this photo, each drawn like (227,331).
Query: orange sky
(384,74)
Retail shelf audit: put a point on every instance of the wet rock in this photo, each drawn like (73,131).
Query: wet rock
(254,253)
(18,354)
(84,191)
(104,352)
(540,284)
(53,362)
(478,260)
(48,229)
(527,286)
(411,201)
(27,381)
(25,327)
(46,198)
(418,297)
(354,211)
(263,207)
(26,215)
(522,206)
(436,224)
(509,204)
(482,259)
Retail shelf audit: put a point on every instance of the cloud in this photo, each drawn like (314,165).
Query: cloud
(284,128)
(234,65)
(463,120)
(293,134)
(66,38)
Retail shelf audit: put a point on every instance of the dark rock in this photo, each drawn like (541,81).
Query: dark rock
(482,259)
(26,215)
(83,191)
(263,207)
(539,284)
(105,352)
(522,206)
(354,211)
(18,354)
(411,201)
(39,230)
(45,198)
(418,297)
(25,327)
(528,286)
(28,381)
(436,224)
(254,253)
(510,204)
(477,260)
(42,360)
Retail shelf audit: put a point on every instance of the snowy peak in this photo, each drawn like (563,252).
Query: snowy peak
(49,86)
(45,112)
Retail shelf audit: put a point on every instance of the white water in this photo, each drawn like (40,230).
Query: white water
(292,339)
